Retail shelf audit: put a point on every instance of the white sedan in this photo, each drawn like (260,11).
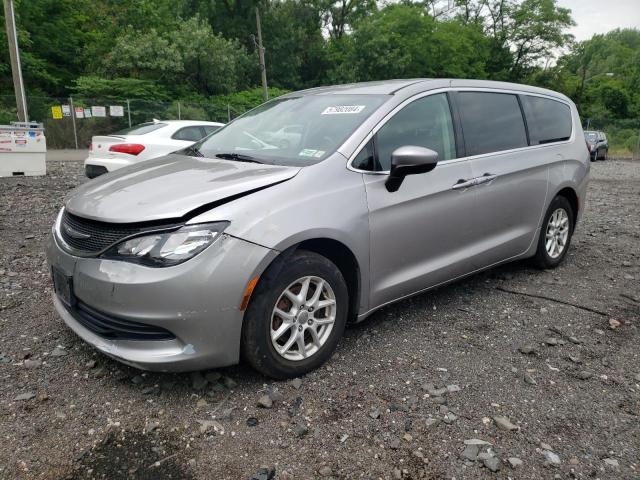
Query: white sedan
(143,142)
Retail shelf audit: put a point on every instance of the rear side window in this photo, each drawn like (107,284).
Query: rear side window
(426,122)
(190,134)
(491,122)
(548,120)
(141,129)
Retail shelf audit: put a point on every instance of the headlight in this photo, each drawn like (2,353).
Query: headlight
(164,249)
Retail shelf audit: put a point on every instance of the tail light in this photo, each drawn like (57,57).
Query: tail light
(130,148)
(91,146)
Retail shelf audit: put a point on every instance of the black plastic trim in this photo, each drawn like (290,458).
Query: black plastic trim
(115,328)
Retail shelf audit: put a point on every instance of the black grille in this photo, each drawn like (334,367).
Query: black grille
(92,236)
(114,328)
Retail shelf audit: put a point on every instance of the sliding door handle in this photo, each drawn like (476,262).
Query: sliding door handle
(462,184)
(486,178)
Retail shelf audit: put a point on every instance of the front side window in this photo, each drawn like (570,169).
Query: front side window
(294,131)
(426,122)
(548,120)
(491,122)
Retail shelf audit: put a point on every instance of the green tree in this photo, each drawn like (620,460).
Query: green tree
(615,100)
(403,41)
(341,16)
(189,59)
(92,86)
(602,74)
(295,49)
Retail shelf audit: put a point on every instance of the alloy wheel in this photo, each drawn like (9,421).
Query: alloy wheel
(557,233)
(303,317)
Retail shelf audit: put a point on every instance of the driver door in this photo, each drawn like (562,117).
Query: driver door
(422,234)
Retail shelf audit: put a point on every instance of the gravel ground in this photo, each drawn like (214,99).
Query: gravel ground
(553,389)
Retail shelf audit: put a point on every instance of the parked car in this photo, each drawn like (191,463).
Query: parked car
(143,142)
(597,144)
(238,247)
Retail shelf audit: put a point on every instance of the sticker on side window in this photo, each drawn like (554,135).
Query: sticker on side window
(342,109)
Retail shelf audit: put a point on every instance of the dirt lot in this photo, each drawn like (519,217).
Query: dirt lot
(378,409)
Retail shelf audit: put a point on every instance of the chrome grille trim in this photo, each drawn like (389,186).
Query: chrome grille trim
(95,237)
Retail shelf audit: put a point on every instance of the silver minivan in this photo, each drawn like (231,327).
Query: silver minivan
(266,247)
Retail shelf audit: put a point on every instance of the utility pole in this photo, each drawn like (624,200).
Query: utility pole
(14,55)
(263,69)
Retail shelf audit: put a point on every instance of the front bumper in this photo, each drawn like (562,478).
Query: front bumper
(197,301)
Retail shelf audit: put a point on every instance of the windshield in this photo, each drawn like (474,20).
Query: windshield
(294,131)
(591,135)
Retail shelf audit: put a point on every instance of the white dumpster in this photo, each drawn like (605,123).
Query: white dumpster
(23,149)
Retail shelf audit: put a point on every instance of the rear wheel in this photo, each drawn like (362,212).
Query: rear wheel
(556,233)
(296,316)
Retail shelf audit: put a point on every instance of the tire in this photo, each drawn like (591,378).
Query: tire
(260,319)
(543,258)
(606,155)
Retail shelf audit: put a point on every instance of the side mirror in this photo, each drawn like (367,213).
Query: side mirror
(409,160)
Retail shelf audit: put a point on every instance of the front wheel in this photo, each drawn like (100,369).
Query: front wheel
(296,316)
(555,236)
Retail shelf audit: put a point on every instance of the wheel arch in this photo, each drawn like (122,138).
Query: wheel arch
(341,255)
(572,196)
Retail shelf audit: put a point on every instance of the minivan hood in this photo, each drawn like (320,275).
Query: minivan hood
(169,188)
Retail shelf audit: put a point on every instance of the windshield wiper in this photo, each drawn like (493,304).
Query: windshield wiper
(239,157)
(193,151)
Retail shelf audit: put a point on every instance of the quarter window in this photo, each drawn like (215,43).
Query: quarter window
(365,160)
(426,122)
(548,120)
(491,122)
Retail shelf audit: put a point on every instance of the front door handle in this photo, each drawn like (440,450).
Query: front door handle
(486,178)
(462,184)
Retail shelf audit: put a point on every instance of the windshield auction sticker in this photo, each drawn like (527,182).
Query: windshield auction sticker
(342,109)
(309,152)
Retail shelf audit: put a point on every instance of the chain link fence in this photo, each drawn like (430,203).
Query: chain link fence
(71,122)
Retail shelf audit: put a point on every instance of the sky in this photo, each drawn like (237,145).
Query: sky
(601,16)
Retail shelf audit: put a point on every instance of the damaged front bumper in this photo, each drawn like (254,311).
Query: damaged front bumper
(198,302)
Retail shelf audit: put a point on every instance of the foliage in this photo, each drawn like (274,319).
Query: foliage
(602,75)
(239,102)
(189,58)
(118,88)
(294,28)
(403,41)
(201,51)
